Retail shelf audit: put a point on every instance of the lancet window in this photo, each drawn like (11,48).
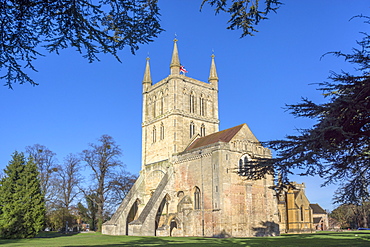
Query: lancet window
(203,105)
(202,130)
(196,198)
(161,135)
(192,129)
(154,134)
(192,102)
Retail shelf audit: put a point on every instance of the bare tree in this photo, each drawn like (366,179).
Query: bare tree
(103,160)
(46,165)
(67,180)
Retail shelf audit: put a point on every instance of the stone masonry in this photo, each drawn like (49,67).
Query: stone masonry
(188,184)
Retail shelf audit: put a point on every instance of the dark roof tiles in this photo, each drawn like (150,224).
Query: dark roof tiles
(221,136)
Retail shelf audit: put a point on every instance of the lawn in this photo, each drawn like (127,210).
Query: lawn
(349,239)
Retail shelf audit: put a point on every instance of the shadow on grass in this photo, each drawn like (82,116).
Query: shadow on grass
(353,239)
(55,234)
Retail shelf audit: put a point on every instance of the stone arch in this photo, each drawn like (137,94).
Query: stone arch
(133,213)
(174,224)
(162,213)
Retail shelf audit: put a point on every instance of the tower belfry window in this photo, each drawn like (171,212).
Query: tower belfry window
(202,103)
(192,102)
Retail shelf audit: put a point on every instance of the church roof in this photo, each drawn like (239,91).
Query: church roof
(317,209)
(221,136)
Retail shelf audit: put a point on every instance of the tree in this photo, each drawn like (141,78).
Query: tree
(245,14)
(337,146)
(103,26)
(21,200)
(89,214)
(65,187)
(46,165)
(103,160)
(121,184)
(67,181)
(350,215)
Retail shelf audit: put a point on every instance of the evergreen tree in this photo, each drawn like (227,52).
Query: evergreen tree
(22,206)
(93,27)
(337,146)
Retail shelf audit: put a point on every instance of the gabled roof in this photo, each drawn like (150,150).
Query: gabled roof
(316,209)
(221,136)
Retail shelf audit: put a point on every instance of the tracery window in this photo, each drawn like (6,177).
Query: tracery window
(196,198)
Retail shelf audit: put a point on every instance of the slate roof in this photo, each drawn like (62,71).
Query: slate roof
(221,136)
(317,209)
(316,220)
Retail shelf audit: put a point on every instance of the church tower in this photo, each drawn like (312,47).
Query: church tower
(176,110)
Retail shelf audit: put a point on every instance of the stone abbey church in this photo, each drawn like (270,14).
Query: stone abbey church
(188,184)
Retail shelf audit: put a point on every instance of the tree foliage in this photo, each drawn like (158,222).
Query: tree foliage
(89,214)
(21,200)
(337,146)
(90,27)
(352,216)
(244,14)
(29,28)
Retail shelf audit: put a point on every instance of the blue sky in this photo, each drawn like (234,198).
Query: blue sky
(77,102)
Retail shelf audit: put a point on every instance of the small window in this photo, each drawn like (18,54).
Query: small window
(202,130)
(192,129)
(197,198)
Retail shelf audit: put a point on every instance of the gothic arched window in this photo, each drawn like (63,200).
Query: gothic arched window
(302,213)
(202,130)
(154,107)
(196,198)
(154,134)
(161,104)
(244,166)
(161,135)
(192,102)
(203,105)
(192,129)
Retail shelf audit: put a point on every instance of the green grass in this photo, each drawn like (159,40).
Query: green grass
(50,239)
